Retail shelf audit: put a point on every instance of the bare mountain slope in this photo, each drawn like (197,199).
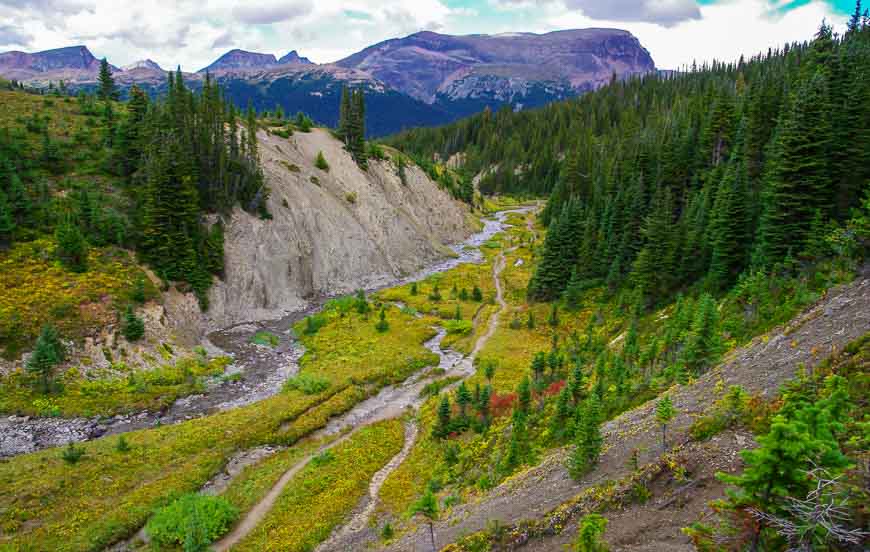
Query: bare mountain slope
(426,63)
(332,231)
(760,368)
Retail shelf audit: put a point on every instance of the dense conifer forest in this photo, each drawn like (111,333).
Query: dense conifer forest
(169,162)
(663,182)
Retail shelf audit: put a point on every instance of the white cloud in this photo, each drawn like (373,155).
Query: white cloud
(195,32)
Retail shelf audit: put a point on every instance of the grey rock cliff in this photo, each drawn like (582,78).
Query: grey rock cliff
(350,230)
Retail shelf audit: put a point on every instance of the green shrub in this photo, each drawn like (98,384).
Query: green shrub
(458,327)
(193,521)
(122,445)
(376,151)
(350,197)
(323,458)
(313,324)
(307,383)
(72,454)
(321,163)
(134,327)
(387,532)
(433,388)
(265,339)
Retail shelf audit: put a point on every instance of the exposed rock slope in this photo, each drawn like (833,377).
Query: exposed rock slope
(332,231)
(426,64)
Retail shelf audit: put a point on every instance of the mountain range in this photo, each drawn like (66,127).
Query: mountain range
(423,79)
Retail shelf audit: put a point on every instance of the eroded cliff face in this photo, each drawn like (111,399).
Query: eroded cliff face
(332,231)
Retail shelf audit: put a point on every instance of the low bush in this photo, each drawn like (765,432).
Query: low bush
(193,521)
(265,339)
(458,327)
(307,383)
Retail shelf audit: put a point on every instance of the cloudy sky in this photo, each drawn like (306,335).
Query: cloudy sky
(194,32)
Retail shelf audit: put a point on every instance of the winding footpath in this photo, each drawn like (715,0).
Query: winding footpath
(391,402)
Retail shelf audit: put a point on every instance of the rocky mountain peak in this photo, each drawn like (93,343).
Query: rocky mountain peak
(294,57)
(241,59)
(71,57)
(143,64)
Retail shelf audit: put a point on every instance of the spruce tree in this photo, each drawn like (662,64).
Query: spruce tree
(7,223)
(799,179)
(463,399)
(665,412)
(427,506)
(344,114)
(587,439)
(573,295)
(72,249)
(48,353)
(107,89)
(443,427)
(134,327)
(703,343)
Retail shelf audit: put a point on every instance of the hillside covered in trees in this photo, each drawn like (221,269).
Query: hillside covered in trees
(163,164)
(662,182)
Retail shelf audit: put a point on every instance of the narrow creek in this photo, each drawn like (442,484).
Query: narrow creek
(390,402)
(258,371)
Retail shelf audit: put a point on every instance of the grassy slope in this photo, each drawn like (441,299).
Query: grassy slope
(320,497)
(108,495)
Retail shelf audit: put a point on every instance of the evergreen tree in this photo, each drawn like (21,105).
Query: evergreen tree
(573,295)
(344,114)
(476,294)
(702,346)
(427,506)
(665,412)
(7,223)
(321,163)
(443,427)
(577,385)
(484,402)
(48,353)
(798,181)
(524,396)
(587,439)
(107,89)
(489,370)
(729,230)
(539,365)
(72,249)
(463,399)
(134,327)
(560,425)
(382,324)
(589,533)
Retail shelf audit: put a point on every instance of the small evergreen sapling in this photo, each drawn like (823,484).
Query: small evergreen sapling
(134,327)
(321,163)
(476,294)
(382,326)
(589,534)
(665,412)
(427,506)
(48,353)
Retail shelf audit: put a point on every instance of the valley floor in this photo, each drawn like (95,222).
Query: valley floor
(338,458)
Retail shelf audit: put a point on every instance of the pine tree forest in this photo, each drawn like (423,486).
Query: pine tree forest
(661,182)
(178,158)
